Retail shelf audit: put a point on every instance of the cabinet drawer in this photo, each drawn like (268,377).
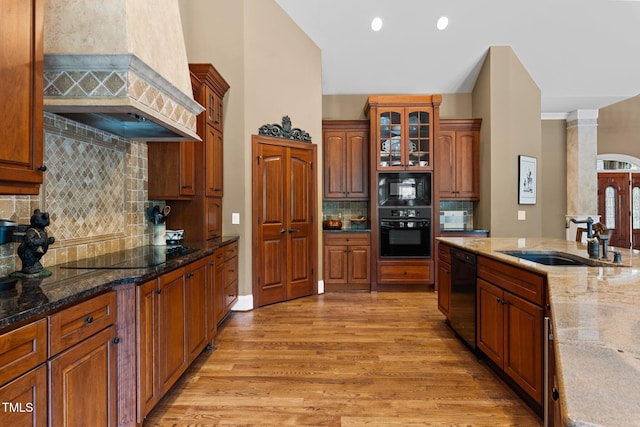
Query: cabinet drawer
(347,239)
(444,252)
(523,283)
(230,294)
(405,273)
(231,273)
(22,349)
(230,250)
(76,323)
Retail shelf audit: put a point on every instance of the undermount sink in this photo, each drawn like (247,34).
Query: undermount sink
(550,258)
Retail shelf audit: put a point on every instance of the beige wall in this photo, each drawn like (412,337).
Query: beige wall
(351,107)
(553,178)
(506,94)
(274,70)
(619,128)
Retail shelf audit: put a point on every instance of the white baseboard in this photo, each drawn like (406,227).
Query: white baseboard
(320,287)
(244,303)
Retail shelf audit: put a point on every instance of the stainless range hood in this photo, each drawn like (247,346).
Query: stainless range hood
(120,66)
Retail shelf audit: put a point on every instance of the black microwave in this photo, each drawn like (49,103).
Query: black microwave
(404,189)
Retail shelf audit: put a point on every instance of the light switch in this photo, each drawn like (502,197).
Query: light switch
(235,218)
(522,215)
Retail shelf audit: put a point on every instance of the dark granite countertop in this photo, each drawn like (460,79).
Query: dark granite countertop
(361,230)
(32,299)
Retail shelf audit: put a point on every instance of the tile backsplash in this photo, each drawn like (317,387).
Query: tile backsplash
(461,209)
(95,190)
(348,209)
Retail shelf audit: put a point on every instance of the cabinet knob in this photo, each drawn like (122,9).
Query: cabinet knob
(555,394)
(89,319)
(116,340)
(42,168)
(158,291)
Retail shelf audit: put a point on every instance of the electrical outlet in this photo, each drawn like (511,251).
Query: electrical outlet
(522,215)
(235,218)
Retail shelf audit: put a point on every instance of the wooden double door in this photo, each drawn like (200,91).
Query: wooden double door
(284,228)
(619,207)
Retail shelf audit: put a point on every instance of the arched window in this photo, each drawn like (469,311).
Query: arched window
(610,207)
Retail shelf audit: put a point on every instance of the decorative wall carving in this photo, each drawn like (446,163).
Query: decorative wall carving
(285,131)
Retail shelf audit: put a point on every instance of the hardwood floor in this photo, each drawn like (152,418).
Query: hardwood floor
(341,359)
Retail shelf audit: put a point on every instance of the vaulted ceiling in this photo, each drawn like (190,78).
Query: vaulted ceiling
(582,54)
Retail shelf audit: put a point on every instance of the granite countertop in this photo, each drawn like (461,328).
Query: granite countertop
(349,230)
(32,299)
(596,320)
(463,230)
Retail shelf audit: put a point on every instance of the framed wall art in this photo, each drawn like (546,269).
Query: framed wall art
(527,180)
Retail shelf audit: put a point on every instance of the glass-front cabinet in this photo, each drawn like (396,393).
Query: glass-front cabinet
(402,131)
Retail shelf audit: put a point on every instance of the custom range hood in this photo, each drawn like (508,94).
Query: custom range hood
(120,66)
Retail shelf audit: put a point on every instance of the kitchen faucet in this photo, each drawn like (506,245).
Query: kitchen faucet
(593,245)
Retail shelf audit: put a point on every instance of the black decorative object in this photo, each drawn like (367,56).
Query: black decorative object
(285,131)
(35,244)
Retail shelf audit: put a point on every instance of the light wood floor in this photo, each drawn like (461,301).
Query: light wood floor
(341,359)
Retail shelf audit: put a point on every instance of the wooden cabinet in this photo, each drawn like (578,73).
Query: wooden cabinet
(82,343)
(402,130)
(191,173)
(510,323)
(21,87)
(458,159)
(347,261)
(443,279)
(196,314)
(405,272)
(147,327)
(23,375)
(171,170)
(346,159)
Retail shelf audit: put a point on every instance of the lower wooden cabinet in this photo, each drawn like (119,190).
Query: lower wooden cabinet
(196,315)
(405,272)
(509,329)
(24,399)
(347,261)
(443,279)
(83,383)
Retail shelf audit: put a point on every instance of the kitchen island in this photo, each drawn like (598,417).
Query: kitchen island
(595,314)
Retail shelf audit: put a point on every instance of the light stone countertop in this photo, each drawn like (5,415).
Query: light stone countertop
(596,320)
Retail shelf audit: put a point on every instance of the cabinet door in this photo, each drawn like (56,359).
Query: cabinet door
(357,162)
(444,288)
(213,217)
(523,344)
(212,324)
(335,264)
(196,308)
(83,383)
(418,142)
(213,162)
(359,264)
(490,321)
(21,86)
(147,303)
(220,307)
(25,400)
(187,168)
(445,159)
(335,165)
(214,108)
(467,170)
(172,334)
(389,139)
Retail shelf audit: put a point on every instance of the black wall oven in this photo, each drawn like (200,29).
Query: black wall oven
(405,232)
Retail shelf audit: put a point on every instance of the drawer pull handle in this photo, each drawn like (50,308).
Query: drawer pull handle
(158,291)
(116,340)
(89,319)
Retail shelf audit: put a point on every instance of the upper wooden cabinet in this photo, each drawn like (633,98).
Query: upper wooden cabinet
(171,170)
(21,88)
(402,130)
(346,159)
(458,159)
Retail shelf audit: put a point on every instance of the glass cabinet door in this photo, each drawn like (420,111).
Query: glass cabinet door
(419,139)
(390,139)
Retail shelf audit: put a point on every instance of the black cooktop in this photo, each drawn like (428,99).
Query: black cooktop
(141,257)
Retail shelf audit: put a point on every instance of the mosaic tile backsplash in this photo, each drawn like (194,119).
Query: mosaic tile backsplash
(95,190)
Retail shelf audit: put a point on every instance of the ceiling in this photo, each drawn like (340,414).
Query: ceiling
(582,54)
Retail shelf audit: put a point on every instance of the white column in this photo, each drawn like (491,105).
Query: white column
(582,176)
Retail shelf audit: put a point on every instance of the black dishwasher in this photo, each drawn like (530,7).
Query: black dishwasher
(463,295)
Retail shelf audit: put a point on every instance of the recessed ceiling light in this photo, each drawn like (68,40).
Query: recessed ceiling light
(376,23)
(443,22)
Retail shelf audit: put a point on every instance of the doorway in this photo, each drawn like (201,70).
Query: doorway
(284,228)
(619,206)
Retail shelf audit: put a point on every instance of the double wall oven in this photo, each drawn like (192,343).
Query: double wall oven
(404,214)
